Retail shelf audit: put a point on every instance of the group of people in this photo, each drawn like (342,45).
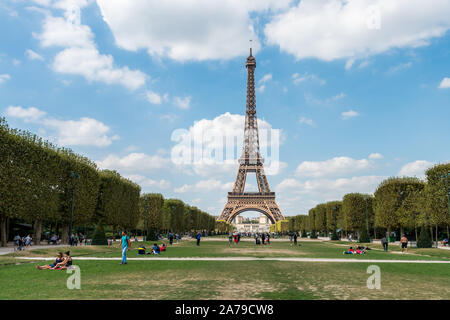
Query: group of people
(293,238)
(22,243)
(155,249)
(234,237)
(62,262)
(265,238)
(76,239)
(172,236)
(357,250)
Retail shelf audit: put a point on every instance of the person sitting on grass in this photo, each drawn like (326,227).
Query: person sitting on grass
(59,258)
(445,242)
(155,249)
(141,250)
(65,264)
(163,247)
(350,251)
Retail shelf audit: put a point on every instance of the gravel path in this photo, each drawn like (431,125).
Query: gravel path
(245,259)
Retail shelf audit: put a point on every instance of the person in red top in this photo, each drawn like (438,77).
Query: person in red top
(350,251)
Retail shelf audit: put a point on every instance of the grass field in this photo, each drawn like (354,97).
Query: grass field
(229,279)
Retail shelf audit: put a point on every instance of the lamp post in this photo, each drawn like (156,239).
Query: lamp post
(76,176)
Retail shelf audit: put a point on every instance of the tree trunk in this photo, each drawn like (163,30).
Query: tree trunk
(37,232)
(374,232)
(431,233)
(415,230)
(65,234)
(3,232)
(437,236)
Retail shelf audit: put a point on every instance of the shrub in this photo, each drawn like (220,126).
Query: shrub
(424,240)
(99,237)
(364,237)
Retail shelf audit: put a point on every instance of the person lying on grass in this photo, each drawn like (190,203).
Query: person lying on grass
(66,263)
(350,251)
(353,251)
(59,259)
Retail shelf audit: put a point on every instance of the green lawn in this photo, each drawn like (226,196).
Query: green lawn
(229,279)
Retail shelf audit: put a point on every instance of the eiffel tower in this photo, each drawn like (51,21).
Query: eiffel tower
(251,161)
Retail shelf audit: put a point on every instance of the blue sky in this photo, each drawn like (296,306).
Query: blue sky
(360,90)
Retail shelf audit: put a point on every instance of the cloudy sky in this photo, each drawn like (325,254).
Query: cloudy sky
(359,90)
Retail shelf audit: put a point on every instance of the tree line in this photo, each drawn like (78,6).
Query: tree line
(402,204)
(41,184)
(159,215)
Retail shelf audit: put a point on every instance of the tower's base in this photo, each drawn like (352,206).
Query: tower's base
(252,201)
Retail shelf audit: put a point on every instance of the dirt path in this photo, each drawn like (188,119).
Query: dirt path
(245,259)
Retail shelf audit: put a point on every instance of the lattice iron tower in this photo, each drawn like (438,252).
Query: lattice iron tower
(251,161)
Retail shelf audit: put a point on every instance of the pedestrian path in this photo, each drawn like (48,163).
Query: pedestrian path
(342,260)
(10,249)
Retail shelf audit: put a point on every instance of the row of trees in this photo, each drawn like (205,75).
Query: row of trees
(398,204)
(159,215)
(39,181)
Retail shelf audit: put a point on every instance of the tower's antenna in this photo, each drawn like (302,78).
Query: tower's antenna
(250,47)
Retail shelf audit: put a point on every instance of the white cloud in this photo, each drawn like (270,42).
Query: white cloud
(400,67)
(92,65)
(309,122)
(445,84)
(148,183)
(182,103)
(4,78)
(332,167)
(33,55)
(329,189)
(132,162)
(265,78)
(325,102)
(337,29)
(349,114)
(297,78)
(262,82)
(83,132)
(80,55)
(31,114)
(155,98)
(208,157)
(186,29)
(205,186)
(415,169)
(375,156)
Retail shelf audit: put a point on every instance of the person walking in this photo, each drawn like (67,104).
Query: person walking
(384,242)
(126,245)
(199,235)
(295,238)
(404,242)
(28,241)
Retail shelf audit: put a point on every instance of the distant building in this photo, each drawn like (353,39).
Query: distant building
(245,226)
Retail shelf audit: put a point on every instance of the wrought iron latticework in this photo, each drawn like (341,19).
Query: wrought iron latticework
(251,161)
